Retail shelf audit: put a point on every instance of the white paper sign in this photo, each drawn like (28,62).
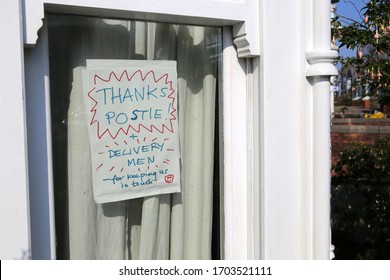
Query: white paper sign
(131,108)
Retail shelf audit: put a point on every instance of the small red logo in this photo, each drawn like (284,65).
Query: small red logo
(169,178)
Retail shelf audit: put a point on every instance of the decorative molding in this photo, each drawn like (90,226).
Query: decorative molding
(332,255)
(243,46)
(243,41)
(33,16)
(242,15)
(321,63)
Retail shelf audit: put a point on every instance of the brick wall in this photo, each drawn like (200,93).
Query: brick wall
(345,131)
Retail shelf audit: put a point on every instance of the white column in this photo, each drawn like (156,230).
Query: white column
(321,168)
(320,70)
(14,212)
(282,117)
(295,118)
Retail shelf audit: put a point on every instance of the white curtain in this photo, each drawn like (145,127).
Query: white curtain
(172,226)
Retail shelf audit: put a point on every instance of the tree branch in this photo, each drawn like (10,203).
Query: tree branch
(357,10)
(351,19)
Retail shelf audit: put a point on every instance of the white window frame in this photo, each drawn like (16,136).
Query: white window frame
(14,216)
(240,102)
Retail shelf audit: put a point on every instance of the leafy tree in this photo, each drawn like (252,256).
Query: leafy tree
(361,202)
(370,36)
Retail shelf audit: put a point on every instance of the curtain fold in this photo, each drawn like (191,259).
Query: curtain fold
(170,226)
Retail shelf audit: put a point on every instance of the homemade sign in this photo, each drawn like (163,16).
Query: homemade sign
(133,128)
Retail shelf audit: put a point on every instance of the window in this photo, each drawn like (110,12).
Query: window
(177,226)
(238,129)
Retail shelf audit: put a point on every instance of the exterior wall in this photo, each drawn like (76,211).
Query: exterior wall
(14,212)
(283,163)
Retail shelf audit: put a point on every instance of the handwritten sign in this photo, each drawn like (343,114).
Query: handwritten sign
(131,111)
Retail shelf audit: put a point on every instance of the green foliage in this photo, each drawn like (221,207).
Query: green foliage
(361,202)
(370,36)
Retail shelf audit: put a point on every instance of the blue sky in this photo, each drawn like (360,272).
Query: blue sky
(346,8)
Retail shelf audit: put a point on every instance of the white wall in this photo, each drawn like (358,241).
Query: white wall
(14,219)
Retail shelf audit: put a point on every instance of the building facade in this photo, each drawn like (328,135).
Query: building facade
(266,65)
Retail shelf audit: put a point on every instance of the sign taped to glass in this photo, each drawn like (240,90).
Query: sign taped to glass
(131,109)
